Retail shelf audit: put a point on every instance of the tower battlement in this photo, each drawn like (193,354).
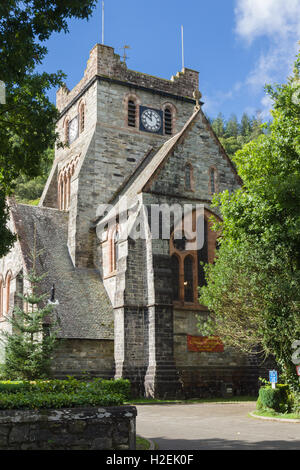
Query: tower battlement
(104,62)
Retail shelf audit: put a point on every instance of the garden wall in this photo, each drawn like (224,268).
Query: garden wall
(88,428)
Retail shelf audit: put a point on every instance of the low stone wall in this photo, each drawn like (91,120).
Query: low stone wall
(93,428)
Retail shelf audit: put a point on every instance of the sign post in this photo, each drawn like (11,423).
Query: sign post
(273,377)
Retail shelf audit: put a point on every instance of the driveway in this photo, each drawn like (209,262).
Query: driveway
(213,426)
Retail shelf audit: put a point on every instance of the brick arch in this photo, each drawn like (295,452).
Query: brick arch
(135,98)
(189,281)
(173,111)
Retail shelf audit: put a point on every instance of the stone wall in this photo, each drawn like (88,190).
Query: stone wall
(89,428)
(80,356)
(104,62)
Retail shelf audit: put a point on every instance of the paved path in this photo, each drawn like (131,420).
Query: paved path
(213,426)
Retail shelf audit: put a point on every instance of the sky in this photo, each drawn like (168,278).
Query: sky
(236,45)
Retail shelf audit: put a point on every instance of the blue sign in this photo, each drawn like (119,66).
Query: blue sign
(273,376)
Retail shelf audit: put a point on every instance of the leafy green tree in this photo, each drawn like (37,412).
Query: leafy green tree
(29,347)
(27,120)
(245,126)
(232,127)
(29,190)
(253,289)
(218,125)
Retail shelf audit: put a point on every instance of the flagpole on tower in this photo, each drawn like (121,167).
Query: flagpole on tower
(102,21)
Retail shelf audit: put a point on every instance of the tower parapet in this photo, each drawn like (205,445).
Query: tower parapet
(105,64)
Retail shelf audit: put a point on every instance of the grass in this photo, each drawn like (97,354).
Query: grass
(141,401)
(274,414)
(142,444)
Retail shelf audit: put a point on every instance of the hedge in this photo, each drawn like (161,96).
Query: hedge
(277,398)
(38,400)
(63,393)
(70,385)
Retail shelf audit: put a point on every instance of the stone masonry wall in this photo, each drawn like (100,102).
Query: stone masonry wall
(83,356)
(89,428)
(103,61)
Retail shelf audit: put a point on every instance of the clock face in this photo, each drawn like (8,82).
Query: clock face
(73,129)
(151,120)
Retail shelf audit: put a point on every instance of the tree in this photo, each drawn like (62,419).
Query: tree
(218,125)
(245,126)
(28,190)
(253,289)
(27,120)
(30,344)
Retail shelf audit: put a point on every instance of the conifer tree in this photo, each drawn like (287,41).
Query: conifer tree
(30,344)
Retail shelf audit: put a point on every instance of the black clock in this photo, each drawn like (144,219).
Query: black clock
(151,120)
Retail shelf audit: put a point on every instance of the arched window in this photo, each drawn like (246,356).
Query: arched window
(189,279)
(67,131)
(188,177)
(115,250)
(7,288)
(61,193)
(175,276)
(81,117)
(18,301)
(1,296)
(168,121)
(213,180)
(188,258)
(131,118)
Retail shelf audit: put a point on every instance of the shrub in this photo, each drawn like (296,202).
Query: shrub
(119,387)
(38,400)
(277,398)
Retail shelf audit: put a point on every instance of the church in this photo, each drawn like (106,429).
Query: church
(128,305)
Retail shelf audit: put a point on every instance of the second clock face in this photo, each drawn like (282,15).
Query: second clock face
(73,129)
(151,120)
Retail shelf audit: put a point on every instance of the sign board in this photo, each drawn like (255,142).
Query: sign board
(204,344)
(273,376)
(298,370)
(2,93)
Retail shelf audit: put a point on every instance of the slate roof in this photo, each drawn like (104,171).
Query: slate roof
(84,308)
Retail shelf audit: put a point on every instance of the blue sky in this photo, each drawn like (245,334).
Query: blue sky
(236,45)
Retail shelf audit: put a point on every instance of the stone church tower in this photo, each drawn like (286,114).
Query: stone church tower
(128,305)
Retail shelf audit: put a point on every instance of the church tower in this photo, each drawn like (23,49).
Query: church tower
(128,306)
(109,121)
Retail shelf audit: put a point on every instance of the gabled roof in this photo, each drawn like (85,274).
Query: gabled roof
(84,308)
(154,160)
(149,166)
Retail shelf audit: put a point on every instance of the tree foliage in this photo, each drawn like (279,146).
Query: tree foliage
(234,135)
(253,289)
(30,344)
(27,120)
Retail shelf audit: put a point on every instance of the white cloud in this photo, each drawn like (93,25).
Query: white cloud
(279,22)
(273,18)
